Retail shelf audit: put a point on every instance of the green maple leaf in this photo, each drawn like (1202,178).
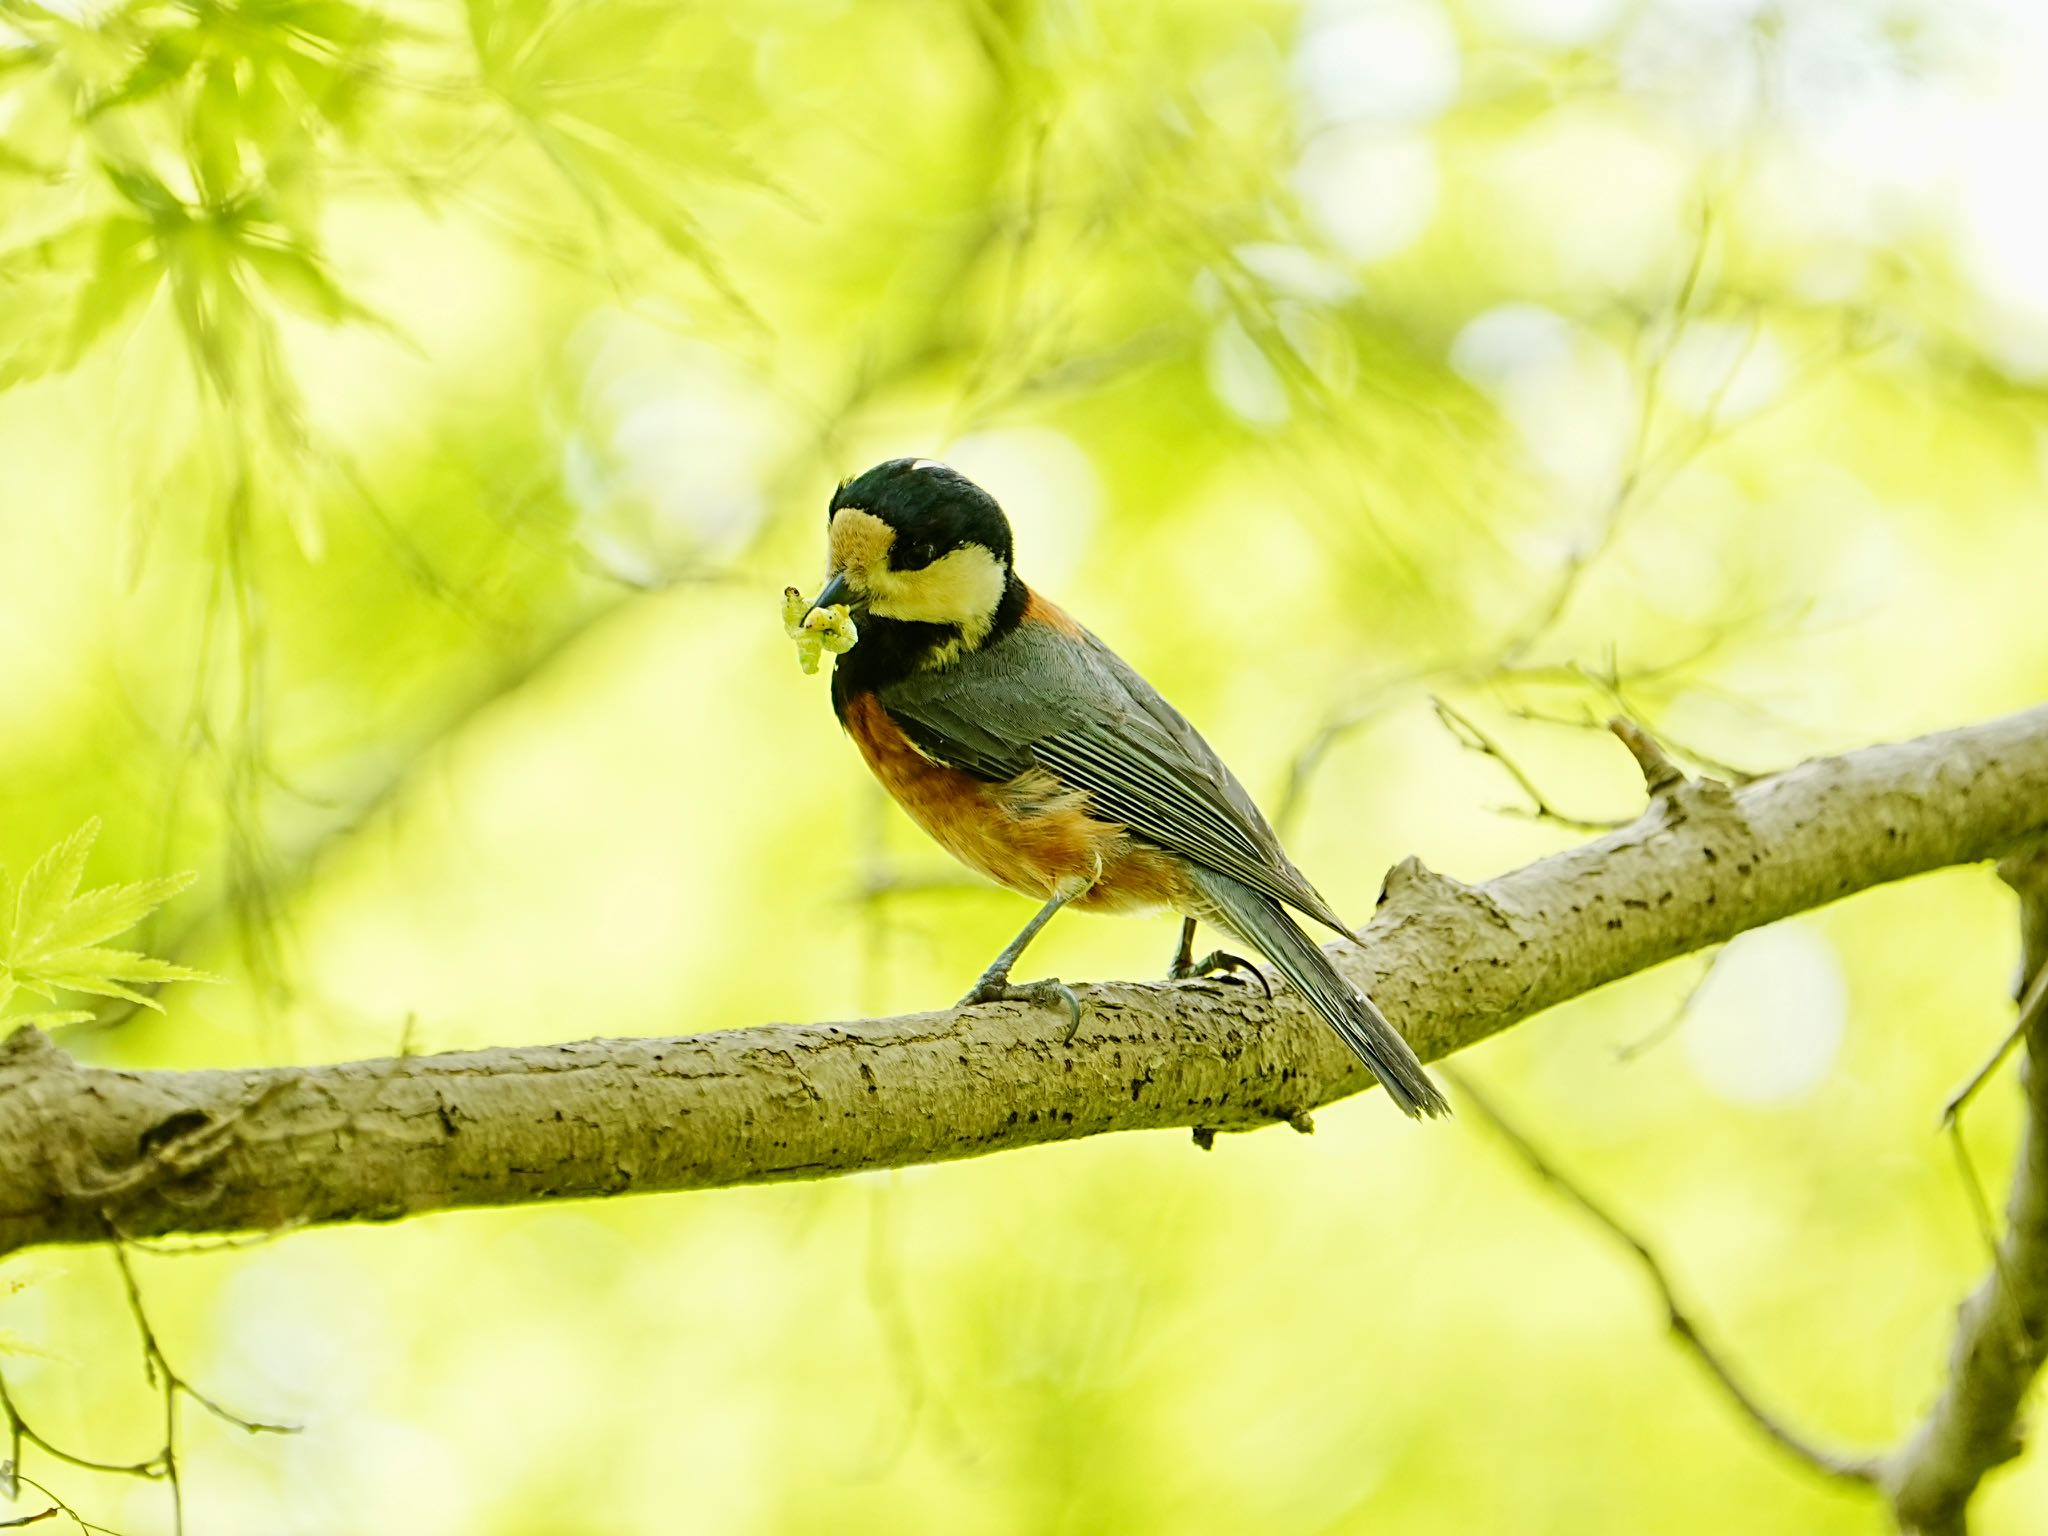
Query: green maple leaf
(53,938)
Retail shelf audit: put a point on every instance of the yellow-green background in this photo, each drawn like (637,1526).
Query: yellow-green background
(412,417)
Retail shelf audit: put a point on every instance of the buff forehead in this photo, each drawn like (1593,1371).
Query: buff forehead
(860,541)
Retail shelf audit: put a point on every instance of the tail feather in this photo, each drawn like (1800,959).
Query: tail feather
(1263,923)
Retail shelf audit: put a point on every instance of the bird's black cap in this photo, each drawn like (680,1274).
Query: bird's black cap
(933,508)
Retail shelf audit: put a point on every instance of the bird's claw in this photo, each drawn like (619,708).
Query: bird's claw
(1221,960)
(1000,989)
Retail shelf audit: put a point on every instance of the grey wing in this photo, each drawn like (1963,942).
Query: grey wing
(1037,699)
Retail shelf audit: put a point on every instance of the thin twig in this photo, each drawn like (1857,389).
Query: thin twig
(160,1370)
(20,1432)
(60,1508)
(1629,1050)
(1471,737)
(2031,1007)
(165,1378)
(1973,1189)
(1836,1464)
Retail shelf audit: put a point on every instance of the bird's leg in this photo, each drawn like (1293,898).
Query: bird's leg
(1186,967)
(995,985)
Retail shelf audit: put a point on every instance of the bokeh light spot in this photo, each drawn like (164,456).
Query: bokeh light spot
(1767,1024)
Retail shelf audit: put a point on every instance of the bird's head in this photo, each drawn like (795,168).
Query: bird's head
(915,541)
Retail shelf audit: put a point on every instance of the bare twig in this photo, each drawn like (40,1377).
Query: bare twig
(1634,487)
(161,1375)
(2002,1330)
(1336,725)
(1471,737)
(21,1433)
(58,1509)
(1663,1030)
(159,1369)
(1973,1189)
(2031,1006)
(1683,1325)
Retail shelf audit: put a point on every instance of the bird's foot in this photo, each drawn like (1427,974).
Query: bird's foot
(995,987)
(1220,960)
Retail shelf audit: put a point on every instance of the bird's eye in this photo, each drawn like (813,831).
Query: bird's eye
(912,554)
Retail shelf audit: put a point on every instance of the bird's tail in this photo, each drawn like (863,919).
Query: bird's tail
(1263,923)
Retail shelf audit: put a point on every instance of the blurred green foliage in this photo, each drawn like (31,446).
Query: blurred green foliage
(412,413)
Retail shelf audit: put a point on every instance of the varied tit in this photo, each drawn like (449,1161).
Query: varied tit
(1036,755)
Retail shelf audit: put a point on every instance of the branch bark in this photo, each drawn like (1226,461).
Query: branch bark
(86,1152)
(2002,1330)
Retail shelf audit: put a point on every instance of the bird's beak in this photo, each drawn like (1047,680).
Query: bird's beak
(834,591)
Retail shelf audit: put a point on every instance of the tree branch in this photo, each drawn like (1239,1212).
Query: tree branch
(2002,1330)
(1684,1326)
(87,1151)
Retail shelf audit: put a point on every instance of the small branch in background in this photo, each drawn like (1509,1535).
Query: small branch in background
(21,1435)
(2002,1330)
(1649,1039)
(878,886)
(1639,484)
(1471,737)
(1683,1326)
(1337,724)
(159,1369)
(58,1510)
(1614,689)
(161,1465)
(2032,1006)
(1621,693)
(183,1247)
(1973,1187)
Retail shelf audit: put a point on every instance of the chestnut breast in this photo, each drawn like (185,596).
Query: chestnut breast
(1031,833)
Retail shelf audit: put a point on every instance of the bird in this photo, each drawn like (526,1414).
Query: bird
(1038,757)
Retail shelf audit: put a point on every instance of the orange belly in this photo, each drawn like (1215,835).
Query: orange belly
(1031,834)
